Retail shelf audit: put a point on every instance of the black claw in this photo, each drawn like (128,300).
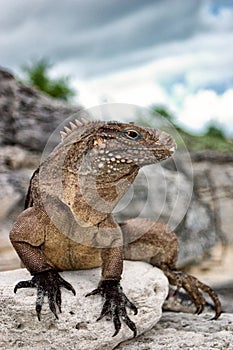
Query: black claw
(39,301)
(105,310)
(24,284)
(52,304)
(130,324)
(38,315)
(131,306)
(215,317)
(67,285)
(47,283)
(117,323)
(199,309)
(116,332)
(58,300)
(94,292)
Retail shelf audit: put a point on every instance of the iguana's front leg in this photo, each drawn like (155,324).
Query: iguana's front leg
(27,236)
(115,301)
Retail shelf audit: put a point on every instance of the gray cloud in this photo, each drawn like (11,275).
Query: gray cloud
(94,37)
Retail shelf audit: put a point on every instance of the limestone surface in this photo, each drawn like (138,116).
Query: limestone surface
(179,331)
(77,328)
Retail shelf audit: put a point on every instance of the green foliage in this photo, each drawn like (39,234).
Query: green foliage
(161,110)
(152,119)
(206,141)
(213,138)
(37,75)
(215,131)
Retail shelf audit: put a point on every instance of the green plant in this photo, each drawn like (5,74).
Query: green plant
(213,138)
(215,131)
(37,75)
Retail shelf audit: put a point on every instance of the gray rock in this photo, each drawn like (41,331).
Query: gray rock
(16,168)
(169,193)
(213,185)
(28,117)
(77,328)
(185,331)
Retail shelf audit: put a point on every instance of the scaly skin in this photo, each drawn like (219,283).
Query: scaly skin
(67,222)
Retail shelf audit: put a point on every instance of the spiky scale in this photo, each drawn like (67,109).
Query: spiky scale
(63,135)
(78,123)
(67,130)
(73,126)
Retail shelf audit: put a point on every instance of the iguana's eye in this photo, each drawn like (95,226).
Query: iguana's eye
(131,134)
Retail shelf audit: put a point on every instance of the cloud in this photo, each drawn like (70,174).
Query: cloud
(209,104)
(98,36)
(173,52)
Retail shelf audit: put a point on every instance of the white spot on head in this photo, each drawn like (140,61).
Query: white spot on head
(172,149)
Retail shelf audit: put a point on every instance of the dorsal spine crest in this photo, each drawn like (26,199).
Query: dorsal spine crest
(73,127)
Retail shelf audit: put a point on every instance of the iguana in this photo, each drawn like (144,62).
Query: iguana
(68,224)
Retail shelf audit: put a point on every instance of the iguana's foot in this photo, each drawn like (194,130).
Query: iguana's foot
(115,304)
(47,283)
(194,289)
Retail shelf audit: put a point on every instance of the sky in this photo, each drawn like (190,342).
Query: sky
(178,53)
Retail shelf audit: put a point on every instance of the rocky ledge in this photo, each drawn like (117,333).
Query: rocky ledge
(179,331)
(77,328)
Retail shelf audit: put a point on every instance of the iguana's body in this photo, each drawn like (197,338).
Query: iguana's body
(68,223)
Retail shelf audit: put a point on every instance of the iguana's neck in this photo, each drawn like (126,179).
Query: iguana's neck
(95,195)
(88,186)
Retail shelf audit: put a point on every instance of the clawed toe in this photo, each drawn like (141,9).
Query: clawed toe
(194,289)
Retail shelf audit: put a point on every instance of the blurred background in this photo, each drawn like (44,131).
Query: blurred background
(174,58)
(175,53)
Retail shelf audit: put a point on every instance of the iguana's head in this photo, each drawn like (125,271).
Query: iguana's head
(114,149)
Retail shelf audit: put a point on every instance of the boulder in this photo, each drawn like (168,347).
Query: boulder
(28,117)
(77,328)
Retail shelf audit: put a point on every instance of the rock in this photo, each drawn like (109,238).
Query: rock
(16,168)
(213,185)
(164,192)
(185,331)
(28,117)
(77,328)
